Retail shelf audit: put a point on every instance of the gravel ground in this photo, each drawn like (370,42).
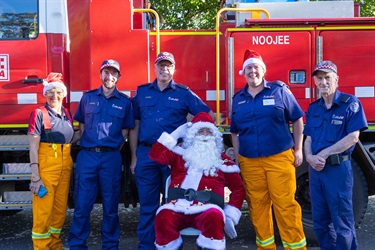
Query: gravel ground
(15,231)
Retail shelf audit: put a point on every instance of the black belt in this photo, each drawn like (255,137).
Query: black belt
(200,195)
(145,144)
(100,149)
(337,159)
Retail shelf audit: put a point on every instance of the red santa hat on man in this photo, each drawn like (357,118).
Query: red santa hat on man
(251,57)
(202,120)
(54,81)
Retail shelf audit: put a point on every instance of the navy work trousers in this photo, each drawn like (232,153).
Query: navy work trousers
(150,178)
(94,170)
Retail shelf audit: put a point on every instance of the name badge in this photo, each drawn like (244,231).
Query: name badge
(267,102)
(336,122)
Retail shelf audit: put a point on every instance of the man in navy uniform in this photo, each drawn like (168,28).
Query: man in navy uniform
(160,106)
(333,124)
(105,115)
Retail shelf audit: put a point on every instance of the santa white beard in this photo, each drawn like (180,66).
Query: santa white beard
(202,155)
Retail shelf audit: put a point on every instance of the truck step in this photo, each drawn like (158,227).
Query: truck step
(14,142)
(17,196)
(16,168)
(16,171)
(14,200)
(15,205)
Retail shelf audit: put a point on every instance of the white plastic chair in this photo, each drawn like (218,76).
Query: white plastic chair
(189,231)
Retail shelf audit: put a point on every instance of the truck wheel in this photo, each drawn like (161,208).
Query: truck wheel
(303,198)
(360,199)
(360,194)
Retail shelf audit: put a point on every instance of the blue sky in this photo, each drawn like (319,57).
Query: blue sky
(18,6)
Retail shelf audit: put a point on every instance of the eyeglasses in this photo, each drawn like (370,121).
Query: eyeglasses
(52,93)
(162,66)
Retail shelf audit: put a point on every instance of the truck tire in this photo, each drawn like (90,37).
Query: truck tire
(303,198)
(360,194)
(360,199)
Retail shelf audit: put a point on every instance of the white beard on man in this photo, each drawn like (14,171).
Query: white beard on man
(203,155)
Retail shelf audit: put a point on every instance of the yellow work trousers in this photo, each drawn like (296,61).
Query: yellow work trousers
(49,212)
(271,181)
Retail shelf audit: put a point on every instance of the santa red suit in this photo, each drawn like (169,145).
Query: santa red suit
(209,215)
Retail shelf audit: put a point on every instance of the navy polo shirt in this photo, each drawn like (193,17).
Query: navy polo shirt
(262,123)
(104,118)
(61,127)
(159,111)
(328,126)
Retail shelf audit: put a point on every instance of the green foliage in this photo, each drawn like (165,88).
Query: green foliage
(201,14)
(187,14)
(367,7)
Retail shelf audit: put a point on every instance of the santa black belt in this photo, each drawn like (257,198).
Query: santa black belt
(191,195)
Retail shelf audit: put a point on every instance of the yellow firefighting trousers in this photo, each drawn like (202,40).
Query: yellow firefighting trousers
(49,212)
(271,181)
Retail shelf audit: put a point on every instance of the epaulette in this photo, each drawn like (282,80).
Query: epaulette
(144,85)
(124,95)
(317,100)
(92,90)
(182,86)
(236,93)
(278,83)
(345,98)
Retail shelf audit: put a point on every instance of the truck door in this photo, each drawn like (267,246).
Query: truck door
(352,49)
(286,53)
(22,57)
(33,43)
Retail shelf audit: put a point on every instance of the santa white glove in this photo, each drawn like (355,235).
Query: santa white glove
(229,228)
(180,132)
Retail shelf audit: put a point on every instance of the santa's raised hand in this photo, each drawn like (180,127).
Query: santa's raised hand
(180,132)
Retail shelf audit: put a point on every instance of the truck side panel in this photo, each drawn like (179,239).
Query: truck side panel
(101,30)
(195,61)
(353,51)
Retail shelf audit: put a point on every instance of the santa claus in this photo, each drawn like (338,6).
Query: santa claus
(200,171)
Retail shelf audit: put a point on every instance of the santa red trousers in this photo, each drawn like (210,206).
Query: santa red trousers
(168,223)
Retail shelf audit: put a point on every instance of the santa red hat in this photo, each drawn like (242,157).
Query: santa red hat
(250,57)
(203,120)
(54,81)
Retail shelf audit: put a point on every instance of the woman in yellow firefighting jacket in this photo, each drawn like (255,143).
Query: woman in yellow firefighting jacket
(50,134)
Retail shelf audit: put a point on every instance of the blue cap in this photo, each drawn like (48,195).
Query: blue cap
(165,56)
(325,66)
(110,63)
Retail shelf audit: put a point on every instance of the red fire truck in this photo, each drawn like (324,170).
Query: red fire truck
(74,37)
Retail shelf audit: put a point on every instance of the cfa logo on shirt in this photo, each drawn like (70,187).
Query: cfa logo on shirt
(116,107)
(173,99)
